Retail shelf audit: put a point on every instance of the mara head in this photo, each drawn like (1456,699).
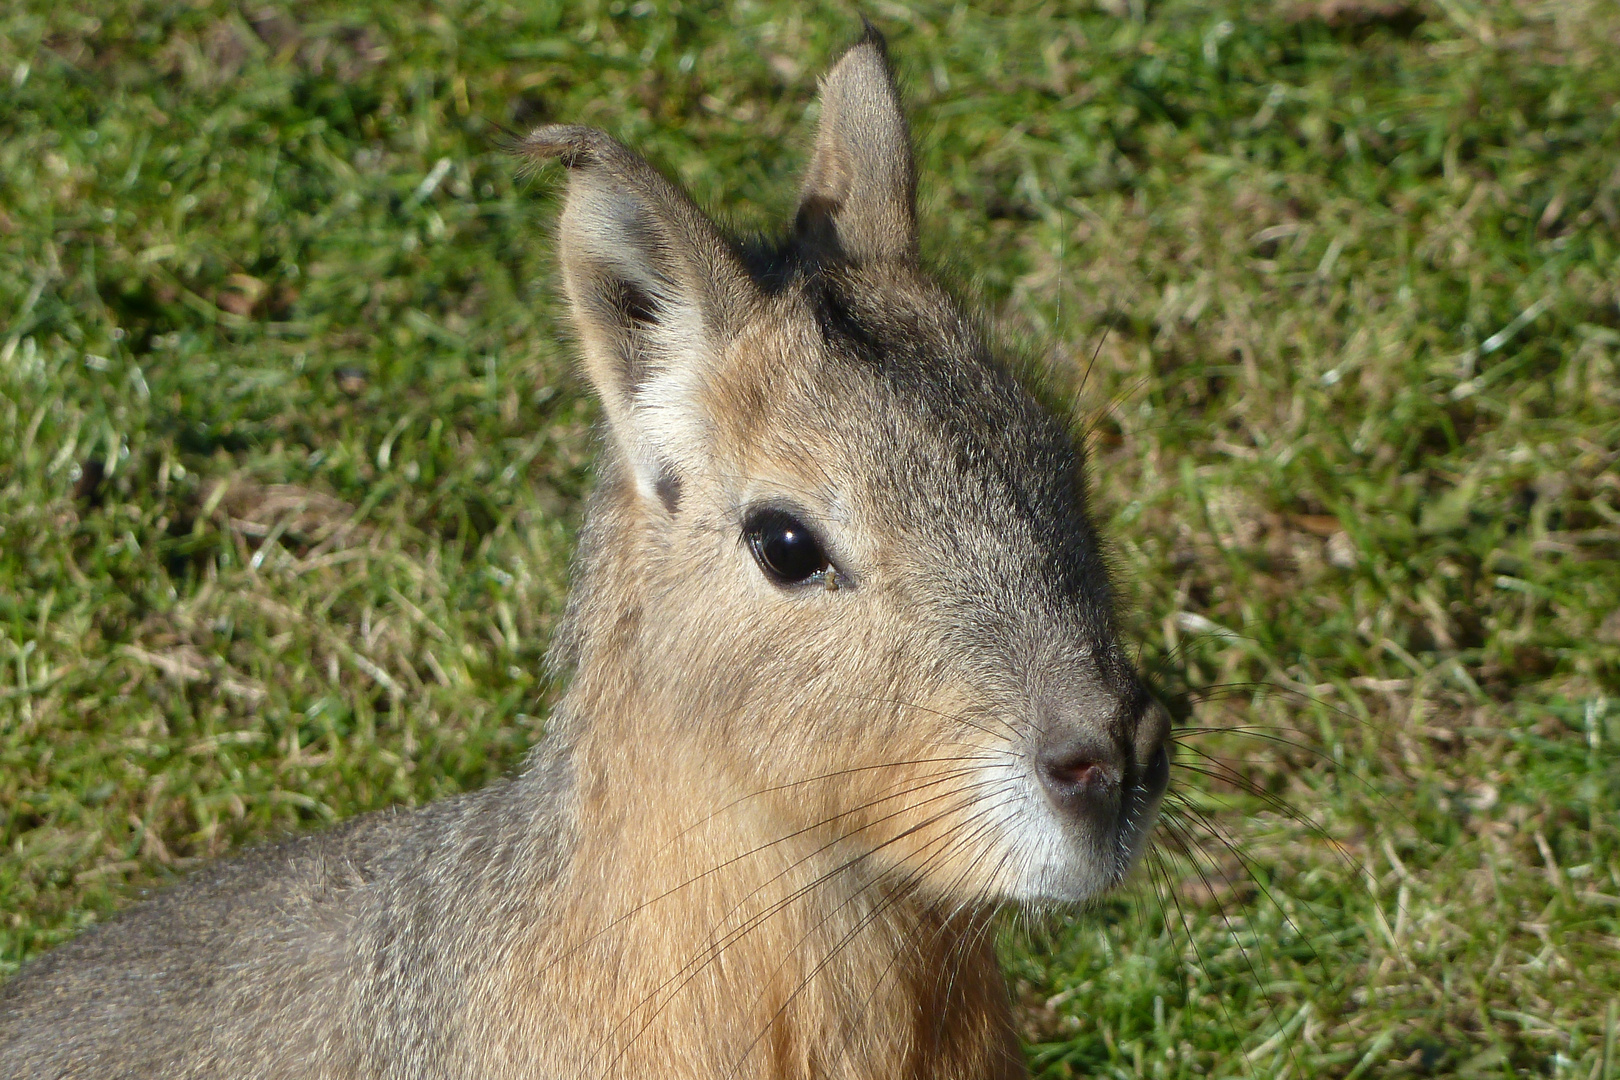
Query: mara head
(838,563)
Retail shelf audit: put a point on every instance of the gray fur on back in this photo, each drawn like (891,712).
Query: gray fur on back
(274,964)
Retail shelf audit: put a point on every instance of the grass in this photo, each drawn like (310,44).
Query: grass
(291,455)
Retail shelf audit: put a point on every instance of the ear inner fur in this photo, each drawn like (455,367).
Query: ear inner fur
(668,487)
(656,290)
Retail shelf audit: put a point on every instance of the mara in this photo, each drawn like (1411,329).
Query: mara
(844,679)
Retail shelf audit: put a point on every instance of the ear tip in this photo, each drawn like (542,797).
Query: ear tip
(871,35)
(572,144)
(864,62)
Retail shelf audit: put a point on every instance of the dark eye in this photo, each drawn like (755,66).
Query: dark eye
(784,546)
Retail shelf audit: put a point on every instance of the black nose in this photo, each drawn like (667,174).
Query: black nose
(1156,775)
(1152,745)
(1080,773)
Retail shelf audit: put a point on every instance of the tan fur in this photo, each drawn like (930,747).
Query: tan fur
(773,818)
(756,970)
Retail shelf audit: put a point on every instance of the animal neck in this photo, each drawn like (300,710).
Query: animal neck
(703,909)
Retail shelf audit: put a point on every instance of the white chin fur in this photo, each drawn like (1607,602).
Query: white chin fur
(1052,864)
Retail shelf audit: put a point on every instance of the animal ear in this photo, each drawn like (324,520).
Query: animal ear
(655,289)
(860,192)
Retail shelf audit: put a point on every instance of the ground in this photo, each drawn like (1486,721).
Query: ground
(291,455)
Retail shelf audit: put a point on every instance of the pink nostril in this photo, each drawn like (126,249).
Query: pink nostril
(1079,773)
(1076,772)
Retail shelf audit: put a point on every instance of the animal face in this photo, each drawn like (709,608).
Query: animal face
(862,582)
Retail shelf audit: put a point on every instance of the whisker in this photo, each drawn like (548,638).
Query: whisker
(782,904)
(899,891)
(760,849)
(1217,770)
(1222,690)
(1250,731)
(1174,828)
(836,774)
(882,908)
(1251,868)
(1011,730)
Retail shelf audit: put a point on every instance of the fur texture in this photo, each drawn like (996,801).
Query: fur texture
(772,819)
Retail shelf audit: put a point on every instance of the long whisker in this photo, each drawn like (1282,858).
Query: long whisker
(694,966)
(1187,926)
(1217,770)
(836,774)
(1251,869)
(1086,376)
(1174,828)
(689,971)
(1011,731)
(888,903)
(1253,732)
(760,849)
(1233,688)
(1288,919)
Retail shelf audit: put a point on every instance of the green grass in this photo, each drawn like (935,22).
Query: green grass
(291,455)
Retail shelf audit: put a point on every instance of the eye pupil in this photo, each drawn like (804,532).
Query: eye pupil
(785,547)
